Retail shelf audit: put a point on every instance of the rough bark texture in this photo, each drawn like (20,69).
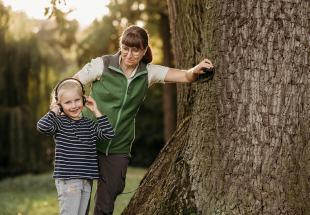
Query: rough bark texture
(242,144)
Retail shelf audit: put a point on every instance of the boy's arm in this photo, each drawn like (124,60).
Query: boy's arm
(48,124)
(104,129)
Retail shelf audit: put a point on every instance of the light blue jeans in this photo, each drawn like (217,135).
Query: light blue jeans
(73,195)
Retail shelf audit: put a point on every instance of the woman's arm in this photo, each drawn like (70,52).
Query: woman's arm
(187,76)
(104,128)
(91,71)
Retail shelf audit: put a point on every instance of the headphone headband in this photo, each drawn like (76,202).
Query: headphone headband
(68,79)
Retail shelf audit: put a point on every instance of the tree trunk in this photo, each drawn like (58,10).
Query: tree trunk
(242,143)
(169,92)
(21,149)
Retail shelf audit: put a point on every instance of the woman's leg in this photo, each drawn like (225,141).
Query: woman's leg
(112,170)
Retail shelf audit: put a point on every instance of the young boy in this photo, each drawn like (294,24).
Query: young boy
(76,163)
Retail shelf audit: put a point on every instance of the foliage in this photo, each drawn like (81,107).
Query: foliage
(65,28)
(32,58)
(100,38)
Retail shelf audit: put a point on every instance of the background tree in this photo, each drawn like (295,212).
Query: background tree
(242,143)
(32,53)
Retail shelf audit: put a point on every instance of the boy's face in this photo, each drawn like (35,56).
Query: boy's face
(72,103)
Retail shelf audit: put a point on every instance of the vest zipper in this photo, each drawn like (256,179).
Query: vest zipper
(123,103)
(118,116)
(134,120)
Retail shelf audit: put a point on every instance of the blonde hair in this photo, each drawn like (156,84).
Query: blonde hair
(65,85)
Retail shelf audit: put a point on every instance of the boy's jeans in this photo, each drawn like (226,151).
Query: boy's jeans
(73,195)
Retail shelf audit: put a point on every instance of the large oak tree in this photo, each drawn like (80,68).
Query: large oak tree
(242,143)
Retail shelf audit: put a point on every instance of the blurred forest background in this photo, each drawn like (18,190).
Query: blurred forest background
(36,54)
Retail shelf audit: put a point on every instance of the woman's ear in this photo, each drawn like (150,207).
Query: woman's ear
(145,50)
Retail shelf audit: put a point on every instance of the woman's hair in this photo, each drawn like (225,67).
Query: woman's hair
(135,36)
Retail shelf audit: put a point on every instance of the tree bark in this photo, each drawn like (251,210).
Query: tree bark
(242,143)
(169,92)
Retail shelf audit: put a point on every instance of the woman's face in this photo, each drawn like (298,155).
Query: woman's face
(131,56)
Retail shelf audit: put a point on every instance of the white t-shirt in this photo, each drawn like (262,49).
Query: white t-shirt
(93,70)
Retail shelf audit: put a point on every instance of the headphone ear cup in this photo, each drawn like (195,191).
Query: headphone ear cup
(60,108)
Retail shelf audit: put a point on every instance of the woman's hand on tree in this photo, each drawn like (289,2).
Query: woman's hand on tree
(199,68)
(186,76)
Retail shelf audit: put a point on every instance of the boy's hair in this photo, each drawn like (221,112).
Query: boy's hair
(68,84)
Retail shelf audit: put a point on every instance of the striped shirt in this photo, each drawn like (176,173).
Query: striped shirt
(75,150)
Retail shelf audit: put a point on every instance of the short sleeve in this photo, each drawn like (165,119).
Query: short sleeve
(156,73)
(91,71)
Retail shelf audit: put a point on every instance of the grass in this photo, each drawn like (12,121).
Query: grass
(36,194)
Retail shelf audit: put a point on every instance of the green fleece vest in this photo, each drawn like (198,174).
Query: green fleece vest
(120,101)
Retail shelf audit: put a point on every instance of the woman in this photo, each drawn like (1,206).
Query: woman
(119,85)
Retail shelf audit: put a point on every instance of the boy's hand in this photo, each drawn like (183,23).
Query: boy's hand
(92,106)
(55,107)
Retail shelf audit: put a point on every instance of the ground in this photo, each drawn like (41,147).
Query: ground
(36,194)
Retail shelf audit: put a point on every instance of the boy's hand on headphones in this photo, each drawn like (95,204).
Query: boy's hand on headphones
(92,106)
(55,107)
(91,103)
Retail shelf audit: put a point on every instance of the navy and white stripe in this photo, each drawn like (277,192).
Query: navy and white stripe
(75,150)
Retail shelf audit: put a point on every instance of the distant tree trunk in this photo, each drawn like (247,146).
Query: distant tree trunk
(14,112)
(169,94)
(242,143)
(21,150)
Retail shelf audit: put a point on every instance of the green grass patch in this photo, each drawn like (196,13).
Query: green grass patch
(36,194)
